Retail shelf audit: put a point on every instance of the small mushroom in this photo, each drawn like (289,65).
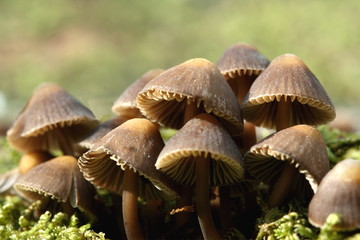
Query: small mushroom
(51,120)
(58,179)
(292,161)
(202,153)
(187,89)
(241,64)
(338,192)
(26,162)
(118,160)
(285,94)
(125,105)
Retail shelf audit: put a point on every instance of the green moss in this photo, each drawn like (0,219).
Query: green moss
(9,158)
(17,221)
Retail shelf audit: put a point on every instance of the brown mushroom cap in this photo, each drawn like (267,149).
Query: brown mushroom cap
(60,179)
(338,192)
(242,59)
(135,144)
(102,130)
(27,162)
(52,119)
(201,136)
(288,78)
(125,105)
(197,81)
(299,145)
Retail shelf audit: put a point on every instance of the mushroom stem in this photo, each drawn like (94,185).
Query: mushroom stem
(282,186)
(283,114)
(130,205)
(202,199)
(249,136)
(244,84)
(64,143)
(191,110)
(185,200)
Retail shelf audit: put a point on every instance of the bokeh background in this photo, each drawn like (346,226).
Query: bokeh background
(95,49)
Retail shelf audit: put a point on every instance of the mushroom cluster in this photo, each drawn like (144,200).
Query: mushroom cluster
(215,110)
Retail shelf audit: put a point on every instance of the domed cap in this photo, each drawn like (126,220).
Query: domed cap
(125,105)
(52,119)
(301,146)
(201,136)
(196,81)
(60,179)
(287,78)
(242,59)
(135,144)
(338,192)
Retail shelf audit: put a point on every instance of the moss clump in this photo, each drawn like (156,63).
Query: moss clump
(18,222)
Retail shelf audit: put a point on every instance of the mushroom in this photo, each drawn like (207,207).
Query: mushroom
(118,160)
(241,64)
(51,120)
(287,93)
(187,89)
(58,179)
(339,193)
(202,153)
(125,105)
(286,159)
(26,162)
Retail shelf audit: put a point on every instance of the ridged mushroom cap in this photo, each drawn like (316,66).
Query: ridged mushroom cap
(101,130)
(125,105)
(242,59)
(51,119)
(60,179)
(135,144)
(199,81)
(201,136)
(287,77)
(299,145)
(338,192)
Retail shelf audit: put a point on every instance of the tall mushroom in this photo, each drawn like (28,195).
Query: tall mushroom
(301,150)
(241,64)
(183,91)
(202,153)
(51,120)
(339,193)
(120,159)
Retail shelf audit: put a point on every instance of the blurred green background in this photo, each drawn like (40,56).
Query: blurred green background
(95,49)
